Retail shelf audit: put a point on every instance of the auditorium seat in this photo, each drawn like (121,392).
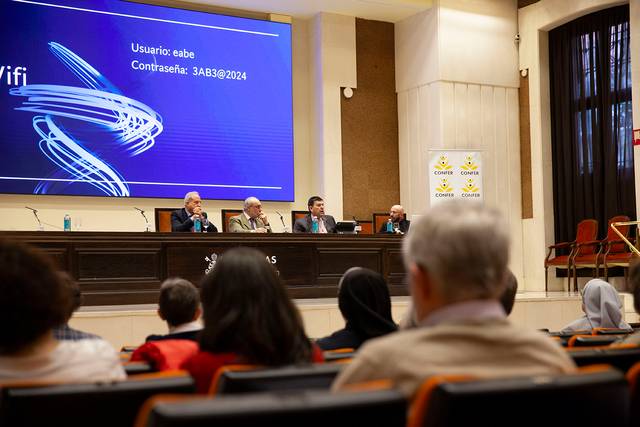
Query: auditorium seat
(163,219)
(621,356)
(299,377)
(591,340)
(226,216)
(597,396)
(633,377)
(339,355)
(611,331)
(303,408)
(97,404)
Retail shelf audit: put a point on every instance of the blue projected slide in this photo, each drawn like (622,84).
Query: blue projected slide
(111,98)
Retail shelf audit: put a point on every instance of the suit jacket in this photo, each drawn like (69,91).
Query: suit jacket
(303,225)
(403,226)
(487,348)
(240,224)
(181,221)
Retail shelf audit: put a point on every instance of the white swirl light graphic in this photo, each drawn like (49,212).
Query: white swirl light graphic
(132,124)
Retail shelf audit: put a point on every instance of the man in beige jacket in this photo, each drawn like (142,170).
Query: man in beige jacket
(251,220)
(456,257)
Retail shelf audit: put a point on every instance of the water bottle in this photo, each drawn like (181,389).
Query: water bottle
(197,225)
(314,225)
(205,225)
(67,222)
(389,226)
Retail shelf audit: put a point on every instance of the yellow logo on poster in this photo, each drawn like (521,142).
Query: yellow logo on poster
(443,164)
(469,164)
(444,186)
(470,187)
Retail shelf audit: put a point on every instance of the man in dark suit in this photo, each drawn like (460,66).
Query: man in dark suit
(179,306)
(182,219)
(399,224)
(326,223)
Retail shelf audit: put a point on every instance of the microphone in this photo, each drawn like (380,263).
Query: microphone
(144,216)
(286,229)
(35,213)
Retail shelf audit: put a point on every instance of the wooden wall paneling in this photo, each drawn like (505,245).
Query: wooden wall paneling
(525,148)
(461,119)
(487,132)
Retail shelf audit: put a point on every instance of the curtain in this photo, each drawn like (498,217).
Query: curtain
(591,123)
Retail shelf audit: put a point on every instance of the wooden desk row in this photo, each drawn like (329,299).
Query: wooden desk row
(127,268)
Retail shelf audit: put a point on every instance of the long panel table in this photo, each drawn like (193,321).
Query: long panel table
(115,268)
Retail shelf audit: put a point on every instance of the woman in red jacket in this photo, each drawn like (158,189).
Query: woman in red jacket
(248,319)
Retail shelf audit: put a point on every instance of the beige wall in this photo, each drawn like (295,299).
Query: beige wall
(457,83)
(534,23)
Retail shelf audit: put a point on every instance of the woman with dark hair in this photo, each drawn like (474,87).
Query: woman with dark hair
(248,319)
(33,301)
(365,304)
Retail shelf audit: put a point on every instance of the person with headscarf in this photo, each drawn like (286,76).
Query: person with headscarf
(602,307)
(365,304)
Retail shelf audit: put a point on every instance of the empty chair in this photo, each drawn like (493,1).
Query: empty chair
(587,231)
(593,398)
(305,408)
(97,405)
(319,376)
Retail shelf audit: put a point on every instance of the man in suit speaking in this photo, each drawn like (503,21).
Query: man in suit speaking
(251,220)
(182,219)
(324,223)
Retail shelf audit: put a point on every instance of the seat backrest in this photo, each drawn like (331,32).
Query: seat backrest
(612,235)
(97,405)
(367,227)
(633,377)
(297,215)
(587,231)
(163,219)
(378,219)
(618,357)
(313,376)
(303,408)
(585,399)
(227,214)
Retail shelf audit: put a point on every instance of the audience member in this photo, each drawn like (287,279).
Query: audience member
(456,257)
(365,304)
(179,306)
(325,223)
(33,301)
(507,300)
(248,319)
(508,297)
(602,307)
(251,220)
(65,332)
(634,282)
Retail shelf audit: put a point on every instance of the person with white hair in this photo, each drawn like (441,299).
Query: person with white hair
(456,258)
(183,219)
(251,220)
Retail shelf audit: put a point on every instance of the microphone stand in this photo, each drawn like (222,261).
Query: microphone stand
(285,228)
(146,221)
(35,213)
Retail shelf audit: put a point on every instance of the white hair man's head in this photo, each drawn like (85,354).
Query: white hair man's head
(456,251)
(190,196)
(252,207)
